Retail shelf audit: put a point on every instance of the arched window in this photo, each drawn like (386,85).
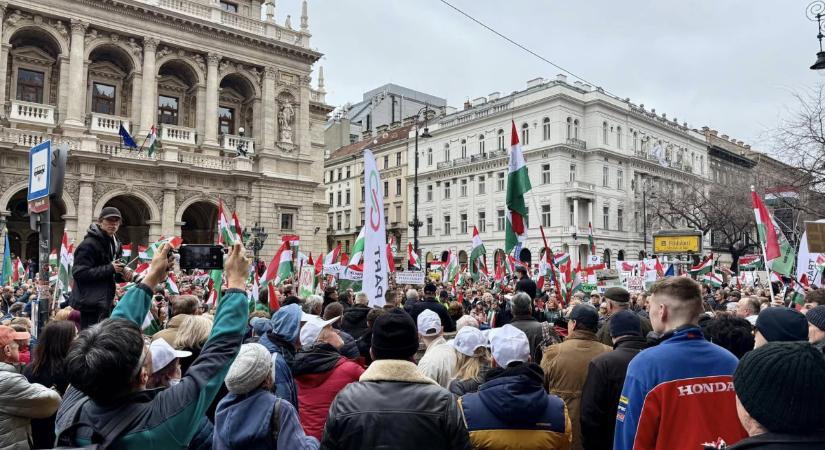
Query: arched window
(446,152)
(525,134)
(576,129)
(606,258)
(604,133)
(619,137)
(545,126)
(481,149)
(569,128)
(429,156)
(464,148)
(501,139)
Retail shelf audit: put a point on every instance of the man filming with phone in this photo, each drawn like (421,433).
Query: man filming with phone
(97,267)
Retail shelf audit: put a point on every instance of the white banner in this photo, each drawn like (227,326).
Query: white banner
(332,269)
(635,284)
(351,275)
(306,285)
(375,237)
(806,262)
(409,277)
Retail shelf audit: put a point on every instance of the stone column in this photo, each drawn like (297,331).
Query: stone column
(576,214)
(148,86)
(62,85)
(134,103)
(211,113)
(270,112)
(4,56)
(85,213)
(167,221)
(75,108)
(590,211)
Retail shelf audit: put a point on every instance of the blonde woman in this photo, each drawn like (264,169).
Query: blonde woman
(472,359)
(192,334)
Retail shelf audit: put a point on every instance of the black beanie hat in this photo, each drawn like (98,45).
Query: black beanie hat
(782,325)
(816,316)
(780,385)
(625,323)
(394,336)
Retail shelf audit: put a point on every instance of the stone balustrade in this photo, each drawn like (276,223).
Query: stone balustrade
(174,134)
(117,150)
(104,123)
(32,112)
(207,161)
(231,143)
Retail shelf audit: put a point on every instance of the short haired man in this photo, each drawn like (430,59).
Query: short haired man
(813,298)
(431,303)
(595,299)
(354,320)
(685,376)
(816,327)
(108,366)
(779,397)
(97,267)
(748,309)
(523,320)
(512,404)
(393,405)
(780,324)
(565,365)
(411,298)
(525,283)
(618,299)
(439,360)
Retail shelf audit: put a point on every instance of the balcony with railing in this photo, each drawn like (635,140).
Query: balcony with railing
(577,143)
(32,112)
(208,161)
(104,123)
(471,159)
(117,150)
(174,134)
(234,143)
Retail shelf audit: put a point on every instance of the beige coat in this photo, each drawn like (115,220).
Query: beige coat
(565,371)
(21,401)
(439,362)
(170,334)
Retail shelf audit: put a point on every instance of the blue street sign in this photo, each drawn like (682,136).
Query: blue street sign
(40,163)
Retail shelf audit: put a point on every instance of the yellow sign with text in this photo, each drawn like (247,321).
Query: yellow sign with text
(677,244)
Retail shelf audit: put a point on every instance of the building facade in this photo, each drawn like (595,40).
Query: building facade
(591,157)
(213,78)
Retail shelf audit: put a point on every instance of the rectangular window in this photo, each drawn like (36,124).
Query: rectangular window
(605,176)
(429,157)
(167,110)
(620,179)
(286,221)
(500,182)
(463,188)
(398,159)
(462,224)
(500,220)
(430,193)
(339,174)
(429,226)
(338,203)
(545,215)
(347,197)
(606,217)
(398,213)
(572,173)
(482,185)
(103,98)
(386,161)
(30,85)
(386,217)
(481,150)
(362,194)
(338,221)
(398,187)
(226,120)
(331,220)
(446,189)
(331,199)
(571,219)
(348,173)
(482,222)
(446,225)
(346,246)
(386,189)
(545,173)
(347,223)
(620,219)
(229,7)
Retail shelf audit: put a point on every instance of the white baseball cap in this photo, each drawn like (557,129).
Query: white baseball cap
(312,329)
(163,354)
(508,345)
(468,339)
(429,324)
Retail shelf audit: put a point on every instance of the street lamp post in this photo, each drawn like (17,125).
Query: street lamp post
(257,236)
(415,222)
(814,11)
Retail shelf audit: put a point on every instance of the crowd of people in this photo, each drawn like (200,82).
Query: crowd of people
(680,366)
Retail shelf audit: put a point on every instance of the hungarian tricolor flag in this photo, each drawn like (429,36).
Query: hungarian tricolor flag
(254,292)
(172,284)
(751,262)
(272,297)
(799,286)
(281,266)
(453,266)
(703,267)
(174,242)
(236,226)
(127,251)
(714,279)
(357,257)
(779,254)
(64,271)
(142,255)
(332,257)
(412,258)
(518,184)
(226,236)
(590,241)
(152,140)
(390,256)
(478,255)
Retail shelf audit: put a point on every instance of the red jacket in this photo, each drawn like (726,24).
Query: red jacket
(320,374)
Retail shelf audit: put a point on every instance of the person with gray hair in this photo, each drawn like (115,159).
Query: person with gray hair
(522,307)
(313,305)
(362,298)
(466,321)
(411,298)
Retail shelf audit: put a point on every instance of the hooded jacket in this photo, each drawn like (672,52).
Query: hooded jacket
(320,374)
(513,411)
(94,276)
(241,422)
(354,321)
(600,395)
(171,417)
(393,406)
(780,441)
(286,324)
(678,395)
(21,401)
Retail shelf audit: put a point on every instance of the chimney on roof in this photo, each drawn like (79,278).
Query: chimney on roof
(366,134)
(725,137)
(396,124)
(561,78)
(740,143)
(381,128)
(534,82)
(409,120)
(578,84)
(714,132)
(467,104)
(587,87)
(705,129)
(747,146)
(493,96)
(479,101)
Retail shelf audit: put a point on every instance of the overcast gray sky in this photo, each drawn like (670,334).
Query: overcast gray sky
(732,65)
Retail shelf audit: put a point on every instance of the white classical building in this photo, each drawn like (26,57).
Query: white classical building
(211,76)
(591,158)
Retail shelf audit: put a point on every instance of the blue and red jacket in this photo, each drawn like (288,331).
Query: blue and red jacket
(678,395)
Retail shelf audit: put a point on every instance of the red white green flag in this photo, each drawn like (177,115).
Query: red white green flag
(478,255)
(332,257)
(590,241)
(703,267)
(226,236)
(518,184)
(172,284)
(280,268)
(779,254)
(412,258)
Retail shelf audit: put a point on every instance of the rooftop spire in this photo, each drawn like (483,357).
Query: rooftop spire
(321,78)
(304,16)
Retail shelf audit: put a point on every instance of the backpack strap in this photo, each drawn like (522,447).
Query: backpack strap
(275,421)
(107,435)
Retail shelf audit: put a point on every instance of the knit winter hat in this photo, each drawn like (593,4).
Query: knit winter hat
(249,369)
(625,323)
(780,385)
(816,316)
(394,336)
(782,325)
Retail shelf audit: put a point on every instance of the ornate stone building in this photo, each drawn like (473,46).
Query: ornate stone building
(211,76)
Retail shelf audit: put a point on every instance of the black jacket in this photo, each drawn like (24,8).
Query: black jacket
(532,328)
(354,320)
(94,276)
(527,286)
(601,392)
(394,406)
(603,335)
(778,441)
(432,304)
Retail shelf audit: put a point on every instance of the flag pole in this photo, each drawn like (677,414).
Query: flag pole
(765,257)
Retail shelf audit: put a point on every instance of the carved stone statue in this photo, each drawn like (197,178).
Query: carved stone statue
(285,118)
